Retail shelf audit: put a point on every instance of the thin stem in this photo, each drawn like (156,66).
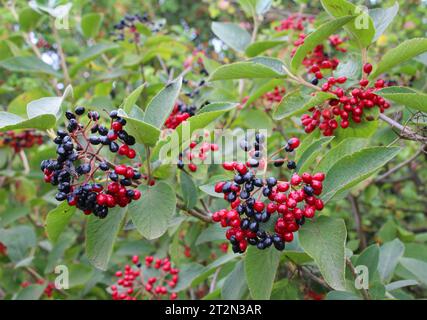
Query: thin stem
(25,163)
(194,213)
(148,160)
(358,221)
(382,177)
(365,292)
(405,132)
(61,55)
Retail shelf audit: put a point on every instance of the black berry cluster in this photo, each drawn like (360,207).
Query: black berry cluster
(254,200)
(84,178)
(129,24)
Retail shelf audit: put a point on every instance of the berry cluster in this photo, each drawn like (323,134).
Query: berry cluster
(295,21)
(48,291)
(196,56)
(152,281)
(20,140)
(42,43)
(293,201)
(130,24)
(79,167)
(199,150)
(348,105)
(180,113)
(3,249)
(276,95)
(319,59)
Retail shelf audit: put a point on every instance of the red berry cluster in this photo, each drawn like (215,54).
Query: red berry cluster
(276,95)
(48,291)
(80,168)
(3,249)
(295,21)
(196,56)
(348,105)
(152,281)
(179,114)
(42,43)
(20,140)
(196,150)
(254,201)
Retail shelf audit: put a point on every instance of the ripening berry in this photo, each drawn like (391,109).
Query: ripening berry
(367,68)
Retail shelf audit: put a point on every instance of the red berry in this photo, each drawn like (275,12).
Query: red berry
(367,68)
(136,195)
(294,143)
(123,150)
(228,166)
(192,167)
(135,259)
(131,154)
(116,126)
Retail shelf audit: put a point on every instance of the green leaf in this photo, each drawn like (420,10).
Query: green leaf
(188,189)
(131,99)
(232,34)
(212,233)
(29,64)
(400,284)
(28,19)
(390,254)
(324,240)
(260,269)
(79,275)
(47,105)
(57,220)
(346,147)
(101,235)
(259,67)
(152,213)
(316,37)
(306,158)
(19,241)
(342,295)
(362,28)
(417,267)
(10,121)
(160,107)
(260,90)
(405,96)
(90,54)
(91,23)
(354,168)
(403,52)
(369,258)
(143,132)
(32,292)
(382,18)
(256,48)
(235,286)
(187,274)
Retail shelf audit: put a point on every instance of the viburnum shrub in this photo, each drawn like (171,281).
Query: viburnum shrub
(151,279)
(269,149)
(255,200)
(84,177)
